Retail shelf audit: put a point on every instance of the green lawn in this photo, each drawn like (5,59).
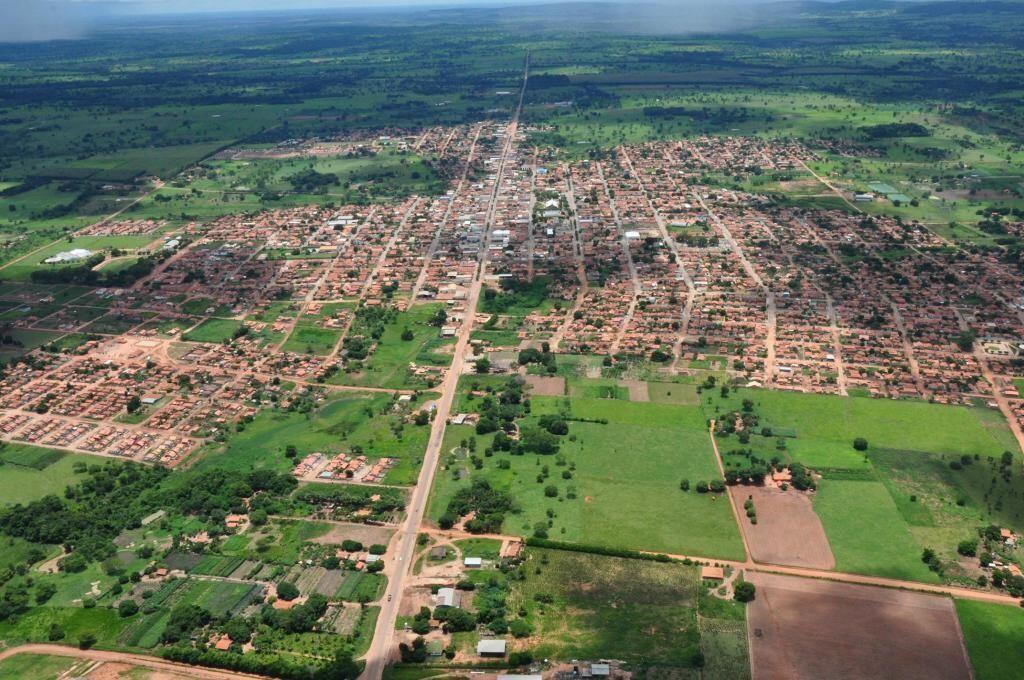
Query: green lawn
(994,635)
(866,531)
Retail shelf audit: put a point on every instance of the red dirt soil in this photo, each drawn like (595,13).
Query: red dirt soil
(802,629)
(788,531)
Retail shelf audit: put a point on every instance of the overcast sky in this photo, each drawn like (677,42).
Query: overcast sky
(33,20)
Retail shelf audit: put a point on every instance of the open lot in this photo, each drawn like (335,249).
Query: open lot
(787,531)
(802,628)
(609,607)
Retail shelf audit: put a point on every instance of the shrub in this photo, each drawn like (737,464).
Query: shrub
(860,444)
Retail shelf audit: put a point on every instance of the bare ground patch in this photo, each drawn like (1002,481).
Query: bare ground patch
(366,534)
(546,385)
(637,389)
(788,531)
(805,629)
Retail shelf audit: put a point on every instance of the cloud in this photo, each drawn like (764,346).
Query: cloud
(35,20)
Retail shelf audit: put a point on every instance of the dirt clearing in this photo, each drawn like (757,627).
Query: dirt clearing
(364,533)
(546,385)
(637,389)
(805,629)
(787,532)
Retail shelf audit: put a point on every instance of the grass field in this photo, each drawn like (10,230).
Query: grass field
(307,338)
(22,269)
(388,365)
(213,330)
(825,426)
(30,472)
(638,611)
(624,480)
(34,625)
(993,635)
(866,531)
(354,419)
(34,667)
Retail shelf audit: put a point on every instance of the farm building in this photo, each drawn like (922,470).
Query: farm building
(473,562)
(448,597)
(712,573)
(491,648)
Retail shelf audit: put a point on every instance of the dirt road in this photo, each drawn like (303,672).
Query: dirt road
(150,662)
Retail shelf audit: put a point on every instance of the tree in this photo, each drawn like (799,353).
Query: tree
(341,667)
(55,633)
(258,517)
(290,451)
(127,608)
(744,591)
(287,591)
(482,365)
(407,335)
(860,444)
(134,404)
(86,641)
(968,548)
(44,591)
(520,628)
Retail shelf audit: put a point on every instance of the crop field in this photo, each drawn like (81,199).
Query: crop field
(360,587)
(848,631)
(220,598)
(611,607)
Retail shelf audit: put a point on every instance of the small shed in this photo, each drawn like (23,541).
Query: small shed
(473,562)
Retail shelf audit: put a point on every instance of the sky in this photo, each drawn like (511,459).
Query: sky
(34,20)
